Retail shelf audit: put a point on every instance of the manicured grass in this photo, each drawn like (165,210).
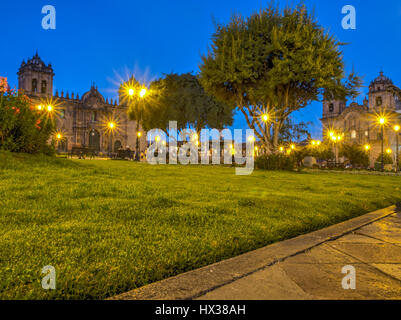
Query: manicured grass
(111,226)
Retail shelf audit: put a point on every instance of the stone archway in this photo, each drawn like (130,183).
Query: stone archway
(94,140)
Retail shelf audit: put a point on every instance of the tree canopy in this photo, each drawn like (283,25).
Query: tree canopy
(272,64)
(181,98)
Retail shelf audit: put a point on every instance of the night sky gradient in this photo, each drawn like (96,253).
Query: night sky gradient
(103,41)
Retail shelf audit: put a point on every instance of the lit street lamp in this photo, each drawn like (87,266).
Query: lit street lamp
(397,153)
(111,126)
(138,135)
(382,122)
(335,139)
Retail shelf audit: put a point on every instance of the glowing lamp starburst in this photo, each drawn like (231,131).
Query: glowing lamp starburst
(142,93)
(265,117)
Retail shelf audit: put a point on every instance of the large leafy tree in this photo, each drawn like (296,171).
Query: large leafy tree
(272,64)
(181,98)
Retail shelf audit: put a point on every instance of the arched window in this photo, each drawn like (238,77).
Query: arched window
(44,86)
(379,101)
(353,134)
(331,107)
(34,85)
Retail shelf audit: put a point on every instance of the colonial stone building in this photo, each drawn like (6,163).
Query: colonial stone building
(82,121)
(359,123)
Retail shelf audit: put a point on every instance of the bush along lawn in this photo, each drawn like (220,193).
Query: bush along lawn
(111,226)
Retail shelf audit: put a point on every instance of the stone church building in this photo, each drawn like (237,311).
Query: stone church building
(359,123)
(82,121)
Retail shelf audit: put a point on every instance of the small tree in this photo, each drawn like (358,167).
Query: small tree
(181,98)
(355,154)
(323,152)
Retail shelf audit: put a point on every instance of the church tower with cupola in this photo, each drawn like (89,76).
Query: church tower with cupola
(381,95)
(35,78)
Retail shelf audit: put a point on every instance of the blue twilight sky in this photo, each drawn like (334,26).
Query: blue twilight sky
(104,40)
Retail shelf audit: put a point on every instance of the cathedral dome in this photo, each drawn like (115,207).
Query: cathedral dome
(382,79)
(93,95)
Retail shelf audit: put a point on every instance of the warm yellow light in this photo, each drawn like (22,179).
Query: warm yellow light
(251,139)
(139,134)
(382,120)
(292,146)
(39,107)
(331,133)
(389,151)
(397,128)
(163,143)
(313,142)
(131,92)
(265,117)
(194,137)
(281,149)
(58,136)
(367,147)
(334,138)
(111,125)
(197,143)
(49,108)
(339,138)
(256,149)
(318,142)
(157,138)
(142,93)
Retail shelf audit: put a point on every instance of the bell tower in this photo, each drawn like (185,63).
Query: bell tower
(381,95)
(35,78)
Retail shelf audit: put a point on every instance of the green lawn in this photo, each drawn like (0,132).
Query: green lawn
(111,226)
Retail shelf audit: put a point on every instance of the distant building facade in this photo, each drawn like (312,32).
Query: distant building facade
(359,123)
(82,121)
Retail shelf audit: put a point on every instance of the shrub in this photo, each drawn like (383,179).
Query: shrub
(275,161)
(322,152)
(22,127)
(355,154)
(387,159)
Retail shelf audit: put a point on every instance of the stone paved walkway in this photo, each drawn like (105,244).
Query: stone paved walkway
(374,251)
(306,267)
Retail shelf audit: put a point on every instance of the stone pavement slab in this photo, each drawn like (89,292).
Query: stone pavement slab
(306,267)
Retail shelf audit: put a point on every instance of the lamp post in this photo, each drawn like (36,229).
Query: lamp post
(138,136)
(397,129)
(335,138)
(382,122)
(111,126)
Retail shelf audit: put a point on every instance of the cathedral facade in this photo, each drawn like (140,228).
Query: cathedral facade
(359,123)
(81,121)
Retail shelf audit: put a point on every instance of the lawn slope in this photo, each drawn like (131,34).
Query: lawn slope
(112,226)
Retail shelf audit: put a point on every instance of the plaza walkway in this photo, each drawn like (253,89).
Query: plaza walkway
(307,267)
